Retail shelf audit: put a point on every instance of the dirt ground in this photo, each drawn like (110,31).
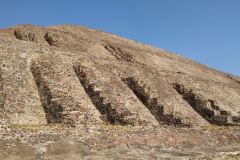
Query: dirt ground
(119,142)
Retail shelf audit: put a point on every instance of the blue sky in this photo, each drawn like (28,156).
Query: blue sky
(207,31)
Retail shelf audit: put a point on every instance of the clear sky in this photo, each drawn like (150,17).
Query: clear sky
(207,31)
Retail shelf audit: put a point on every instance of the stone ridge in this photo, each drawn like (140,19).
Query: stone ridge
(74,75)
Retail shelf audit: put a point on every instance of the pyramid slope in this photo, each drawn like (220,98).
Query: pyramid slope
(75,75)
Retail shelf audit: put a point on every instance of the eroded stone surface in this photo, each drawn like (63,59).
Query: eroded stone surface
(19,96)
(63,98)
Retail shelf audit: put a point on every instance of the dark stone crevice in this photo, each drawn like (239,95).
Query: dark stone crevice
(24,35)
(51,39)
(206,108)
(53,109)
(118,53)
(236,119)
(109,114)
(2,95)
(153,105)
